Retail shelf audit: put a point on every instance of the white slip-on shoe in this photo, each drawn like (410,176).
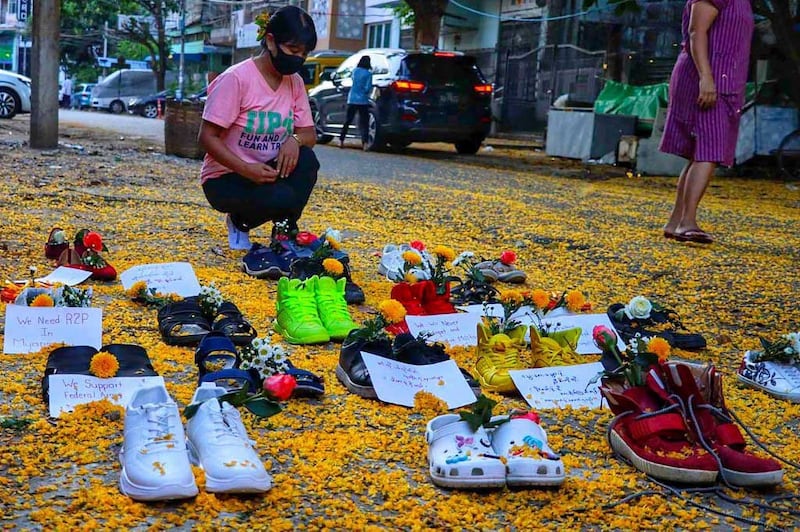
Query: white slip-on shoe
(218,442)
(237,239)
(529,460)
(461,458)
(775,378)
(155,463)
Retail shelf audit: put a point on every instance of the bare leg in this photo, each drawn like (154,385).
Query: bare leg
(696,183)
(677,209)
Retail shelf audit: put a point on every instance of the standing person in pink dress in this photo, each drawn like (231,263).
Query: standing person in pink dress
(258,132)
(706,94)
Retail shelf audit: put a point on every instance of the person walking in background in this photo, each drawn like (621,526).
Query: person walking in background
(258,132)
(706,94)
(358,101)
(66,93)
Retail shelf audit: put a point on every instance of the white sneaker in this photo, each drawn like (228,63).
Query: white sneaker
(155,464)
(777,379)
(218,442)
(236,239)
(392,263)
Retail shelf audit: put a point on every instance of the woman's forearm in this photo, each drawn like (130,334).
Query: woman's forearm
(700,21)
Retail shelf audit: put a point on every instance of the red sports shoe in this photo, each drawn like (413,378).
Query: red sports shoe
(410,296)
(700,390)
(436,303)
(652,435)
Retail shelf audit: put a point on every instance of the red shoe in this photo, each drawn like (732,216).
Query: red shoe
(435,303)
(653,436)
(700,389)
(100,269)
(56,243)
(409,295)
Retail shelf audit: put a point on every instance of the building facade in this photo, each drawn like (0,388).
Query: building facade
(14,42)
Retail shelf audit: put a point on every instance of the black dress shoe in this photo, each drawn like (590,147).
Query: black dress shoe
(411,350)
(352,371)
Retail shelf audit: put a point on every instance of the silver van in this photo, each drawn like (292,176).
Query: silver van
(113,93)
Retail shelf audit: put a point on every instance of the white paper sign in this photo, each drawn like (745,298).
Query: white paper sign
(67,276)
(586,322)
(67,391)
(452,329)
(559,386)
(490,310)
(29,329)
(397,383)
(166,277)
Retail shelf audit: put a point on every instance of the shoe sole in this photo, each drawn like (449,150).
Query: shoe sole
(468,482)
(792,398)
(273,272)
(367,392)
(660,471)
(544,482)
(304,341)
(739,478)
(161,493)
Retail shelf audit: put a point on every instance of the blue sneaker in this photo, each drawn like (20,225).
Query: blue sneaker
(264,263)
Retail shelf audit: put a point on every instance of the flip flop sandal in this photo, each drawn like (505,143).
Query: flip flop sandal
(507,273)
(486,268)
(230,322)
(53,250)
(461,458)
(308,384)
(530,461)
(215,353)
(627,328)
(694,235)
(182,322)
(233,379)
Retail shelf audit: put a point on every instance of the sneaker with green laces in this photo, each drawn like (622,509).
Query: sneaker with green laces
(332,307)
(298,321)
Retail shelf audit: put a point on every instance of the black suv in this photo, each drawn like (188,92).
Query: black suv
(417,97)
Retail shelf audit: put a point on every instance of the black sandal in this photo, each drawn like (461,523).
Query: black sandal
(182,322)
(628,328)
(230,322)
(472,292)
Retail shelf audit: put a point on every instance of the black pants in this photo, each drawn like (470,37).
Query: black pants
(251,205)
(363,120)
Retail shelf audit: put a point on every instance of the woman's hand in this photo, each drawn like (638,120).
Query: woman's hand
(708,92)
(259,173)
(287,156)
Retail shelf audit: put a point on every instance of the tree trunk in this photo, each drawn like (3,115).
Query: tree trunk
(427,20)
(163,54)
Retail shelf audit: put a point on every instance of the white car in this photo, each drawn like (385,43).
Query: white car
(15,94)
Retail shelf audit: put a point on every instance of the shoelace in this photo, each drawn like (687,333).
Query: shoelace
(644,415)
(301,300)
(505,359)
(224,432)
(159,427)
(335,307)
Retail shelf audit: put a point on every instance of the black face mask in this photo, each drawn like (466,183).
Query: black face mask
(284,63)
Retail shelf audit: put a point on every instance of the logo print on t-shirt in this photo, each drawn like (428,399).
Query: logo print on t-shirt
(261,130)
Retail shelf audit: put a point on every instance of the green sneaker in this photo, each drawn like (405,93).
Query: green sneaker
(332,307)
(298,321)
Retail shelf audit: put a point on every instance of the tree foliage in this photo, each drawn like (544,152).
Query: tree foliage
(427,17)
(81,30)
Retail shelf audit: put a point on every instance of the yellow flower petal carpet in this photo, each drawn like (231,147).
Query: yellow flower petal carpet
(342,462)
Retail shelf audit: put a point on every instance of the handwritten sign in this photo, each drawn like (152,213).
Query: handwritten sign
(559,386)
(166,277)
(397,383)
(68,391)
(29,329)
(586,322)
(64,275)
(453,329)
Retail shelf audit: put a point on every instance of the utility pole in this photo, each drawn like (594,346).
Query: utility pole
(179,92)
(44,72)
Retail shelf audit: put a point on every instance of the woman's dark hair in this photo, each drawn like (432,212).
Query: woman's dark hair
(364,62)
(292,25)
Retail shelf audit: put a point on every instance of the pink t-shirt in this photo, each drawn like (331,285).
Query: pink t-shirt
(257,119)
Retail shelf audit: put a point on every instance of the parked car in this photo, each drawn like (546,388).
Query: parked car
(15,94)
(148,106)
(82,98)
(418,96)
(320,65)
(115,91)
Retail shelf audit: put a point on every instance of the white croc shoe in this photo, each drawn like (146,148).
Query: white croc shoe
(155,463)
(775,378)
(461,458)
(218,442)
(530,461)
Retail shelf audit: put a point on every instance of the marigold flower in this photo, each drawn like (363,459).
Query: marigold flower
(136,289)
(93,241)
(445,252)
(333,266)
(428,404)
(410,278)
(392,310)
(333,243)
(540,298)
(412,257)
(575,300)
(42,300)
(659,347)
(104,365)
(508,257)
(511,296)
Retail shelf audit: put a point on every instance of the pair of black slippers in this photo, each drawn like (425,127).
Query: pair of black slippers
(676,333)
